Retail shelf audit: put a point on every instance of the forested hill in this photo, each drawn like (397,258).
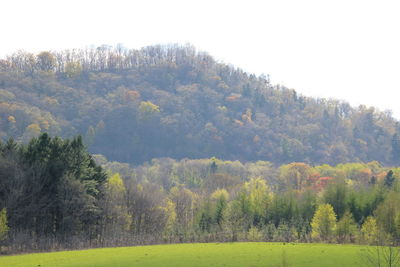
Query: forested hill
(172,101)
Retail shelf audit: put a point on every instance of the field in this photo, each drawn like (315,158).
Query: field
(200,255)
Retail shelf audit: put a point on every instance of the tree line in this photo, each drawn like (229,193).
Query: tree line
(133,105)
(55,195)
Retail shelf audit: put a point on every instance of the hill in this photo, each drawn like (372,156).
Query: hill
(172,101)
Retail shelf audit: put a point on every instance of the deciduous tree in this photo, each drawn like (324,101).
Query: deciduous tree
(323,223)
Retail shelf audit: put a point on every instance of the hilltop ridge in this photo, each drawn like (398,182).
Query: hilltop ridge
(173,101)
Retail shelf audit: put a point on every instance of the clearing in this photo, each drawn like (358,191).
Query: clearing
(200,255)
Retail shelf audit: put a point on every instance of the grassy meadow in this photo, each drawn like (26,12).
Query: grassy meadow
(199,255)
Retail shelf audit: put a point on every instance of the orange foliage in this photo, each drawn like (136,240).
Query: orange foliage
(11,119)
(7,107)
(381,176)
(313,178)
(131,95)
(247,116)
(322,182)
(232,98)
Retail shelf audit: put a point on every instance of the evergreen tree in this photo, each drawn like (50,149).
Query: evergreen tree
(389,179)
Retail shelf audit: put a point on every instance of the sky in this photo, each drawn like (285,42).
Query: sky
(342,49)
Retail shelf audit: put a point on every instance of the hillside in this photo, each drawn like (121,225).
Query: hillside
(172,101)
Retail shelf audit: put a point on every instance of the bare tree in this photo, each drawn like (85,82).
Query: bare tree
(381,256)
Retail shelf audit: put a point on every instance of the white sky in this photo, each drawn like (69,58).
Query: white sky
(345,49)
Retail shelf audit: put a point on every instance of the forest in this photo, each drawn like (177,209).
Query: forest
(55,195)
(174,101)
(111,146)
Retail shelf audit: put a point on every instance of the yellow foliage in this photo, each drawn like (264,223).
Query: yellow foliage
(170,212)
(140,188)
(323,223)
(34,128)
(115,197)
(369,231)
(73,69)
(259,194)
(115,184)
(220,193)
(174,191)
(222,108)
(148,109)
(3,224)
(11,119)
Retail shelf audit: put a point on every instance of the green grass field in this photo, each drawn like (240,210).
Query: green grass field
(200,255)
